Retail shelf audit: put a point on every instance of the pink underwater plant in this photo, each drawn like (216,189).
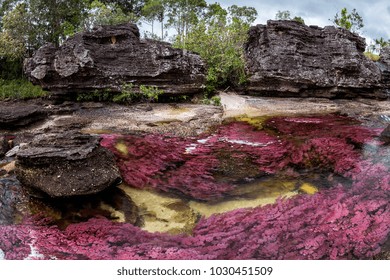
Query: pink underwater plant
(345,221)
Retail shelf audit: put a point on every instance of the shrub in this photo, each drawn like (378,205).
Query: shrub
(19,89)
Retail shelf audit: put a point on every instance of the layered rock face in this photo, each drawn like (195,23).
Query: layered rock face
(66,165)
(289,59)
(110,56)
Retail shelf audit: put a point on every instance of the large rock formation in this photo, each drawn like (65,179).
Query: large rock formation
(66,165)
(287,58)
(109,56)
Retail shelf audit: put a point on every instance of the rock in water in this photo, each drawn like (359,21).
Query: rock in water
(290,59)
(109,56)
(66,165)
(385,135)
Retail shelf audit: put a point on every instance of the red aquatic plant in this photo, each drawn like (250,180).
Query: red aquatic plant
(191,167)
(345,221)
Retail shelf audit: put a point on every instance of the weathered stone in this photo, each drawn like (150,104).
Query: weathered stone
(13,115)
(385,135)
(384,65)
(13,201)
(3,146)
(109,56)
(290,59)
(68,164)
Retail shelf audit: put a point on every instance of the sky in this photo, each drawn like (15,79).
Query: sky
(375,13)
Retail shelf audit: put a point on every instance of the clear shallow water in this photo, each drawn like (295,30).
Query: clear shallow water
(324,179)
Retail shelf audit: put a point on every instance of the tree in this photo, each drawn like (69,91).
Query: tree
(128,7)
(218,37)
(183,15)
(155,10)
(286,15)
(283,15)
(350,21)
(106,14)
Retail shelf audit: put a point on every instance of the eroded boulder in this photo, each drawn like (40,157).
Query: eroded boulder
(108,57)
(290,59)
(66,165)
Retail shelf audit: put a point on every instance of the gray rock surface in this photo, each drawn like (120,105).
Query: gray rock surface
(3,146)
(385,135)
(109,56)
(289,59)
(13,201)
(13,115)
(66,165)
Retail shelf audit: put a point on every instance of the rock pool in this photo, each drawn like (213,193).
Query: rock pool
(277,187)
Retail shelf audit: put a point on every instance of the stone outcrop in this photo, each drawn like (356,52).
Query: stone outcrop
(13,116)
(66,165)
(384,65)
(289,59)
(108,57)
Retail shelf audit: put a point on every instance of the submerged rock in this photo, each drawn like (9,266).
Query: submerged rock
(13,201)
(66,164)
(385,135)
(290,59)
(109,56)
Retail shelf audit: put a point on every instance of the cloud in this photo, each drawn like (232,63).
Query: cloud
(375,13)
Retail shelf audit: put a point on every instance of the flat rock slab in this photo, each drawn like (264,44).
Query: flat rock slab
(67,164)
(14,115)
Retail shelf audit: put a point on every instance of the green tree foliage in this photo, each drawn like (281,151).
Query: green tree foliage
(218,37)
(286,15)
(350,21)
(128,7)
(183,15)
(155,10)
(107,14)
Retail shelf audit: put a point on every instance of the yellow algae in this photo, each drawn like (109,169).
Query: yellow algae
(119,216)
(249,195)
(121,147)
(308,188)
(162,213)
(254,121)
(207,209)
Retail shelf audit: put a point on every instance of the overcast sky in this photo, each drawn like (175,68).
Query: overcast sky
(375,13)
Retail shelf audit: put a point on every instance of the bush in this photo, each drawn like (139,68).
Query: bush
(19,89)
(219,40)
(127,95)
(372,56)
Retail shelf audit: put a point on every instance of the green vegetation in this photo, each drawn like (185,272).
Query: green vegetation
(219,37)
(214,100)
(350,21)
(216,33)
(372,56)
(286,15)
(128,94)
(19,89)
